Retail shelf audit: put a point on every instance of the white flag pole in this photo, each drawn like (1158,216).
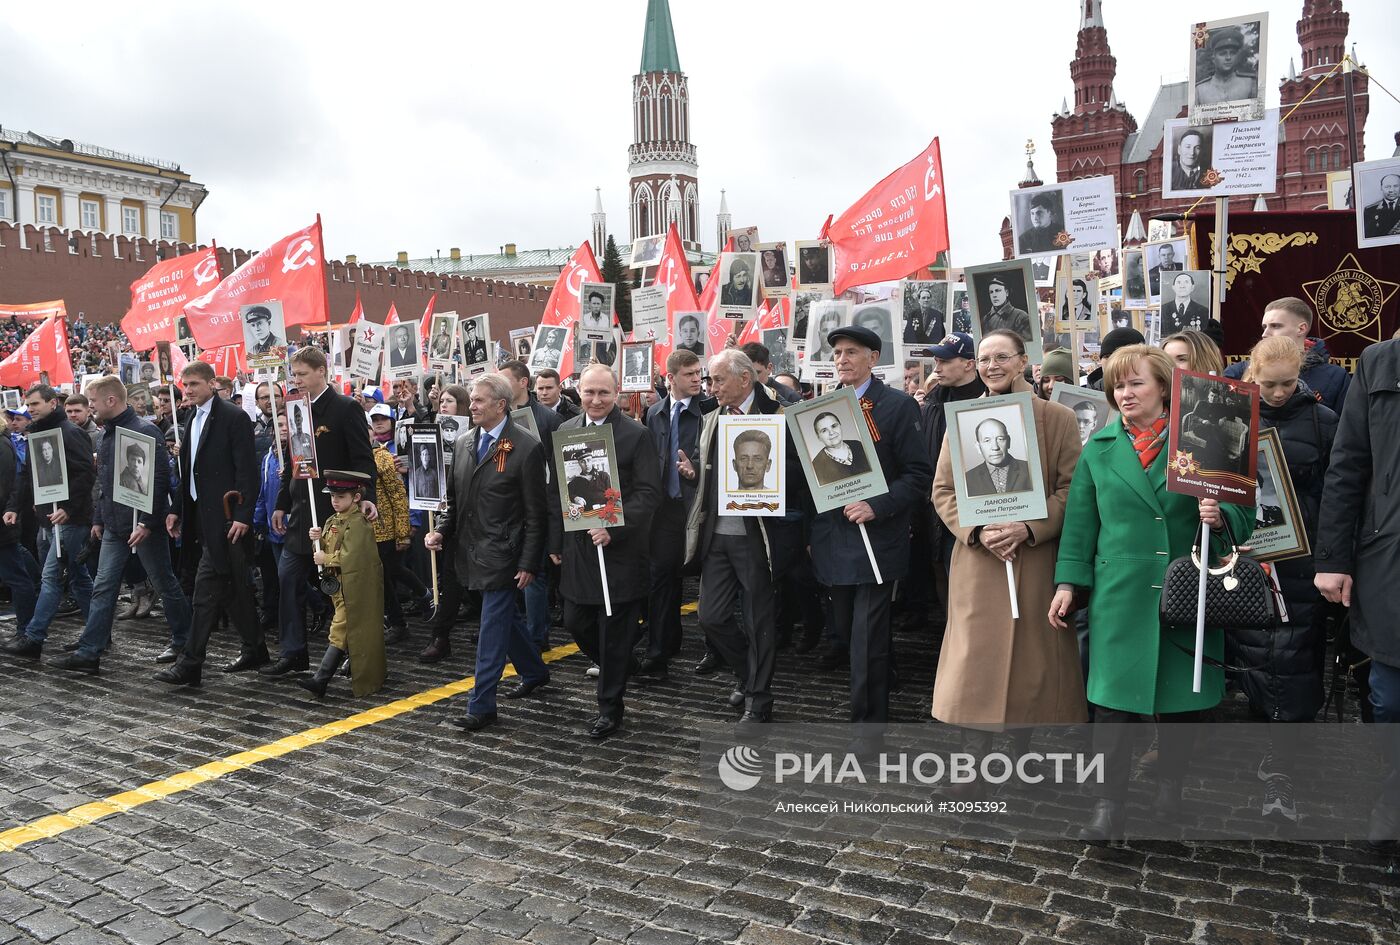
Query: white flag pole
(874,566)
(603,573)
(1011,589)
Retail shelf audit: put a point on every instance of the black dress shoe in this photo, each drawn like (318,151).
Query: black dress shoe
(20,645)
(807,642)
(833,659)
(169,655)
(438,650)
(736,699)
(394,635)
(1168,805)
(654,669)
(296,663)
(1106,822)
(750,717)
(475,723)
(603,727)
(707,665)
(248,661)
(78,664)
(181,675)
(522,689)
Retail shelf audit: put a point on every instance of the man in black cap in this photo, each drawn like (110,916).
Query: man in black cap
(860,607)
(263,339)
(1226,84)
(1044,213)
(1004,313)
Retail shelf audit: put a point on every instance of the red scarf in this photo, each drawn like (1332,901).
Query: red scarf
(1149,442)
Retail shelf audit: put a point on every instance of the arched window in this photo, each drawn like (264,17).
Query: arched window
(665,116)
(1312,159)
(1140,182)
(1337,158)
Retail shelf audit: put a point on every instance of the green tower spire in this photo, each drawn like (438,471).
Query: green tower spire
(659,40)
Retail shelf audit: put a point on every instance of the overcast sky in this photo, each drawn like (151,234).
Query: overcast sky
(420,127)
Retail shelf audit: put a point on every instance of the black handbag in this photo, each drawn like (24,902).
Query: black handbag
(1239,595)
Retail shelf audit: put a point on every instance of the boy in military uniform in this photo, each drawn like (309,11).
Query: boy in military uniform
(348,554)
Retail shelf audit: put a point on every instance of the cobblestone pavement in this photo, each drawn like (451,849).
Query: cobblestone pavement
(409,831)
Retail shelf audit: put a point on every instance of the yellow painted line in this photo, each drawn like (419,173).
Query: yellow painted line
(55,824)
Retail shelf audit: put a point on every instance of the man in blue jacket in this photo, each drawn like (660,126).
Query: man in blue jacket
(1292,318)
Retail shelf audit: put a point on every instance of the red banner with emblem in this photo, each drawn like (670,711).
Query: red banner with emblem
(227,360)
(41,358)
(673,275)
(899,225)
(158,297)
(562,306)
(291,271)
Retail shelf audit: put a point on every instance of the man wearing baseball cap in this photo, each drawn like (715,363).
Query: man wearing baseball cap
(860,607)
(1226,84)
(956,375)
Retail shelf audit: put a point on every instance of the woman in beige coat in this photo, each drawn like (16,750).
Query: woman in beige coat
(995,671)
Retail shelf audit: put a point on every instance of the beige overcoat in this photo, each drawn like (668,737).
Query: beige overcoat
(994,670)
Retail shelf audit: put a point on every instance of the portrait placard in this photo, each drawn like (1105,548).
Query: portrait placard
(1134,279)
(996,460)
(834,445)
(1213,438)
(780,354)
(164,370)
(1111,316)
(879,318)
(1279,530)
(264,336)
(745,238)
(403,355)
(475,338)
(1077,302)
(522,342)
(752,469)
(129,369)
(649,313)
(184,338)
(369,349)
(1091,409)
(1043,271)
(773,279)
(592,349)
(150,374)
(1339,195)
(1185,300)
(813,264)
(525,417)
(802,301)
(1378,199)
(595,311)
(427,473)
(1167,256)
(1003,295)
(549,347)
(692,328)
(1103,264)
(738,285)
(301,437)
(924,304)
(442,341)
(824,317)
(452,426)
(585,463)
(48,466)
(637,367)
(701,276)
(962,309)
(1226,59)
(1224,160)
(343,350)
(646,251)
(1074,217)
(13,400)
(134,470)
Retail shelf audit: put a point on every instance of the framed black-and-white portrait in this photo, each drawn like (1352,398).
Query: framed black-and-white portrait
(1378,202)
(1003,296)
(427,470)
(1213,437)
(824,317)
(165,371)
(961,306)
(134,470)
(781,355)
(595,310)
(12,399)
(585,465)
(691,330)
(879,318)
(1091,409)
(647,250)
(149,374)
(442,341)
(751,475)
(522,342)
(592,349)
(1134,279)
(834,445)
(1226,64)
(1105,263)
(402,353)
(477,347)
(523,417)
(745,238)
(129,369)
(342,353)
(1279,530)
(549,347)
(701,277)
(1339,194)
(1185,300)
(264,336)
(637,367)
(738,285)
(649,313)
(48,466)
(450,427)
(773,279)
(1226,160)
(813,263)
(301,437)
(995,457)
(1078,216)
(184,338)
(1077,303)
(924,307)
(1043,271)
(802,300)
(368,351)
(1162,259)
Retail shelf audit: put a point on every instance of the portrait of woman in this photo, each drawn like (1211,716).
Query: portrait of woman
(839,458)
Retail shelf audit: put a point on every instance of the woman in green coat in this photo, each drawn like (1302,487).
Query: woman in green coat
(1122,528)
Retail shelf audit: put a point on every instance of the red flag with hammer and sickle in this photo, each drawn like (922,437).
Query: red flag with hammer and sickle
(158,297)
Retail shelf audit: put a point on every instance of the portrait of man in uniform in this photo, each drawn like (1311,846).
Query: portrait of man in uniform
(1226,82)
(813,264)
(1379,219)
(589,484)
(1190,156)
(259,335)
(1042,217)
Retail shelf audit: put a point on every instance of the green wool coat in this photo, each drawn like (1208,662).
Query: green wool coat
(1122,528)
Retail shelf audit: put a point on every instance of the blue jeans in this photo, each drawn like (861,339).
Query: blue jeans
(20,574)
(537,610)
(502,635)
(71,538)
(154,555)
(1385,699)
(294,572)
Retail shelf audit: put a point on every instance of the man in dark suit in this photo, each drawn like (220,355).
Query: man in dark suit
(999,471)
(548,394)
(473,344)
(674,423)
(338,424)
(608,641)
(217,459)
(1181,311)
(1382,218)
(403,348)
(498,520)
(1166,262)
(1186,161)
(741,557)
(860,607)
(546,422)
(925,324)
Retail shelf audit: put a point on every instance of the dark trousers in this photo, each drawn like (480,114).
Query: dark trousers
(608,642)
(20,573)
(860,619)
(1113,738)
(750,649)
(214,595)
(450,596)
(667,560)
(392,561)
(266,564)
(1385,702)
(503,636)
(294,574)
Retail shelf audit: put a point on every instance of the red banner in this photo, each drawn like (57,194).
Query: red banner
(44,352)
(291,271)
(719,329)
(673,274)
(899,225)
(426,321)
(227,360)
(34,311)
(562,306)
(772,313)
(158,297)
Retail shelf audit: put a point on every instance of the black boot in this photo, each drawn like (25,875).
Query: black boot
(1106,822)
(322,678)
(1168,806)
